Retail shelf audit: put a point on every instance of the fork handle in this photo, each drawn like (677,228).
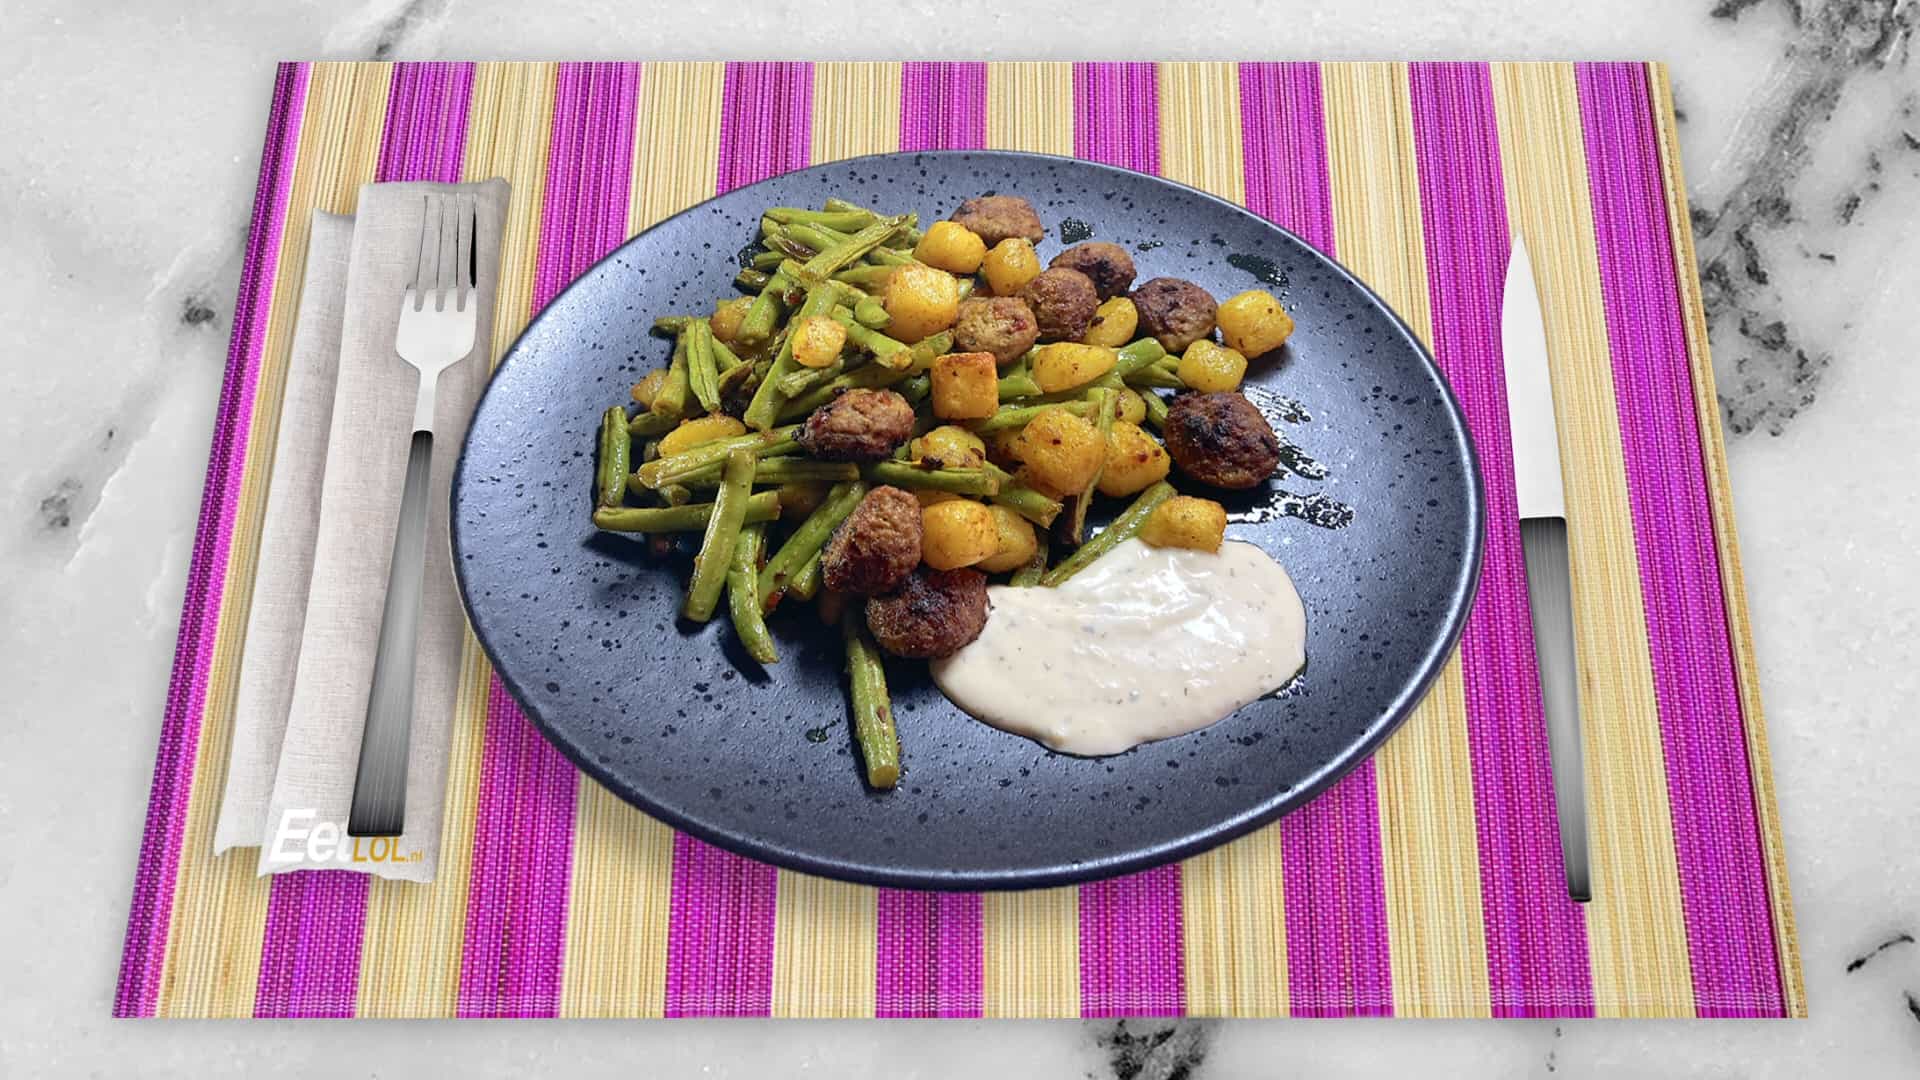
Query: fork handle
(380,786)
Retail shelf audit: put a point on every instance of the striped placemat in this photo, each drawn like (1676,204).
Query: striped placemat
(1427,883)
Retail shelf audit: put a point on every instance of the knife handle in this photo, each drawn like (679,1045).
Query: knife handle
(1550,596)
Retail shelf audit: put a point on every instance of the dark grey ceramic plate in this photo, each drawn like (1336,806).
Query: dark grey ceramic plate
(677,720)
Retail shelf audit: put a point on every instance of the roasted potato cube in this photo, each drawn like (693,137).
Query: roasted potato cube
(952,247)
(1017,542)
(1135,460)
(727,317)
(966,386)
(1254,323)
(954,447)
(1060,452)
(692,433)
(648,386)
(1128,405)
(955,533)
(1186,522)
(1114,322)
(1064,365)
(1211,368)
(920,301)
(1003,447)
(817,341)
(1010,265)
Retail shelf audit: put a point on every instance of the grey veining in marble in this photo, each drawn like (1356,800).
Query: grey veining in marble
(126,178)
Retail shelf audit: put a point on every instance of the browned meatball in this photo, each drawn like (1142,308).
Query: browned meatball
(932,614)
(1000,217)
(877,546)
(1177,313)
(859,425)
(1001,325)
(1221,439)
(1063,303)
(1108,266)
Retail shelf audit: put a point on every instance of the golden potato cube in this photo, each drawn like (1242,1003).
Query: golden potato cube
(1186,522)
(1253,322)
(817,341)
(1211,368)
(648,386)
(1135,460)
(953,447)
(1017,542)
(692,433)
(958,532)
(952,247)
(1064,365)
(1060,452)
(1003,447)
(1010,265)
(1113,323)
(727,317)
(1128,405)
(920,301)
(966,386)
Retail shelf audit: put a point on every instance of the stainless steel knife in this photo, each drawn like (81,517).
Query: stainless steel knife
(1541,497)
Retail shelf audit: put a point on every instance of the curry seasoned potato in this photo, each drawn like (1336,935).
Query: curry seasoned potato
(952,247)
(920,300)
(1060,452)
(1211,368)
(1114,322)
(1254,323)
(1064,365)
(1017,542)
(648,386)
(817,341)
(692,433)
(954,447)
(1003,447)
(1186,522)
(727,317)
(1010,266)
(955,533)
(1128,405)
(966,386)
(1135,460)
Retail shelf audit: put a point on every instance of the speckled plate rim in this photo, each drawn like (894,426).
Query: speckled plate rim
(1459,605)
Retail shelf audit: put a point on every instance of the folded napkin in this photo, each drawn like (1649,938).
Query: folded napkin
(332,508)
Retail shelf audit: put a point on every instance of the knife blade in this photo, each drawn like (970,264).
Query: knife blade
(1540,497)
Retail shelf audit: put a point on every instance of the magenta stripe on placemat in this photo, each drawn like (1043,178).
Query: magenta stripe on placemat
(1709,786)
(1536,936)
(720,915)
(928,954)
(943,106)
(1131,962)
(523,832)
(150,914)
(316,918)
(1337,954)
(1116,115)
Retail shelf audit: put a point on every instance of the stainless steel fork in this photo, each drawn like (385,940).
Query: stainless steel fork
(438,316)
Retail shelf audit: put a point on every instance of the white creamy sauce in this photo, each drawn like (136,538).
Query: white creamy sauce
(1145,643)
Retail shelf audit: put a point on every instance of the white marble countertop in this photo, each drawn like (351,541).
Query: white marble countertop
(125,179)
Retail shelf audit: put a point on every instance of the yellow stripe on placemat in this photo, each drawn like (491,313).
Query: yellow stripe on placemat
(615,962)
(1733,587)
(824,940)
(1429,848)
(1030,107)
(410,952)
(1637,938)
(1030,953)
(1232,899)
(856,110)
(220,905)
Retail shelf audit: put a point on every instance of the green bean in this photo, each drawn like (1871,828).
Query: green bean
(842,220)
(789,247)
(872,710)
(678,467)
(703,374)
(710,567)
(1018,383)
(724,358)
(802,379)
(676,494)
(1117,531)
(906,474)
(743,596)
(764,312)
(1014,416)
(895,354)
(1030,503)
(1029,575)
(806,584)
(916,389)
(844,250)
(1156,410)
(752,280)
(762,411)
(1140,354)
(966,287)
(1102,399)
(649,450)
(767,260)
(671,324)
(670,400)
(866,277)
(616,446)
(869,377)
(1108,381)
(788,470)
(651,423)
(931,348)
(808,539)
(760,506)
(1161,374)
(870,312)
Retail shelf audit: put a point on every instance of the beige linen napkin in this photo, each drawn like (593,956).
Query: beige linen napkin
(303,825)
